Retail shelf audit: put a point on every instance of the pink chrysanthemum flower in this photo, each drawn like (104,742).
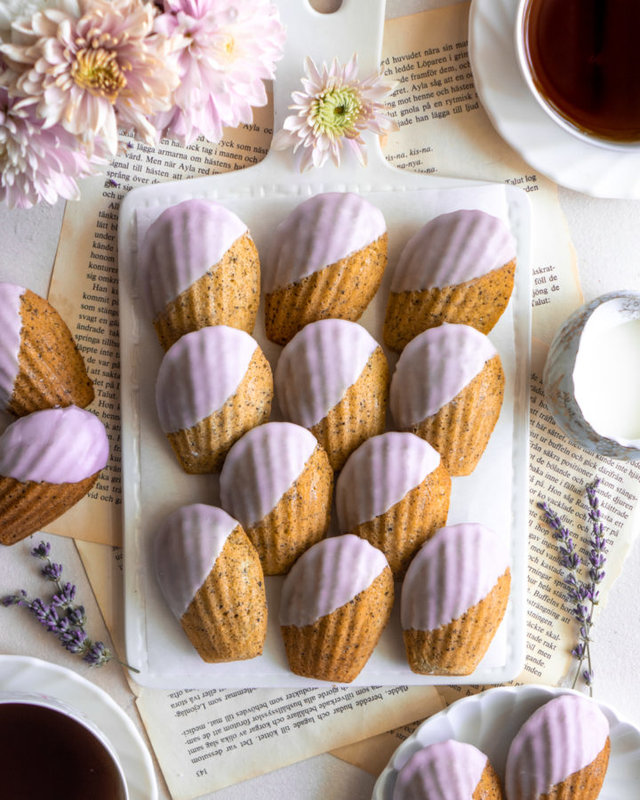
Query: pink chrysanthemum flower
(38,163)
(93,71)
(332,112)
(226,49)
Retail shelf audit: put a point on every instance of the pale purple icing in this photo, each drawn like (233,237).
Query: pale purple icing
(11,327)
(185,548)
(317,367)
(56,445)
(448,770)
(199,373)
(451,572)
(559,738)
(379,474)
(181,245)
(433,368)
(319,232)
(451,249)
(261,466)
(326,576)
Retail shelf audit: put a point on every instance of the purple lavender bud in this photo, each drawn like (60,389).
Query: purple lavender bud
(14,599)
(74,641)
(578,650)
(588,676)
(65,597)
(52,571)
(97,655)
(51,620)
(77,616)
(42,550)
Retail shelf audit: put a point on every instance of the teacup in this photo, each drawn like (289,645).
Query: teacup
(580,63)
(52,750)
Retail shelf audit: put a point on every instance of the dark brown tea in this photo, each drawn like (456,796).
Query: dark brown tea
(584,61)
(44,753)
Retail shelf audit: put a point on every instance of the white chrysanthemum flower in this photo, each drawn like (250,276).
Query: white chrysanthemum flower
(38,163)
(332,112)
(225,49)
(93,71)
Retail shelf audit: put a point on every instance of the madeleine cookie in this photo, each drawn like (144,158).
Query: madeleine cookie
(277,481)
(49,460)
(335,603)
(560,753)
(326,260)
(211,578)
(332,378)
(394,492)
(40,365)
(459,268)
(199,266)
(448,388)
(213,385)
(454,597)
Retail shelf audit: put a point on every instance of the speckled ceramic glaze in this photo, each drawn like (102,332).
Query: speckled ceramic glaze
(451,249)
(199,373)
(559,738)
(319,232)
(451,356)
(10,325)
(451,572)
(317,367)
(448,770)
(57,445)
(181,245)
(185,548)
(261,467)
(328,575)
(380,473)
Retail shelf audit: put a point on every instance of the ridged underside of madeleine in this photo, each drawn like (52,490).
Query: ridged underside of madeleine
(52,370)
(227,294)
(401,530)
(488,787)
(203,447)
(27,507)
(461,429)
(586,783)
(360,413)
(458,647)
(342,290)
(227,618)
(479,302)
(337,646)
(299,519)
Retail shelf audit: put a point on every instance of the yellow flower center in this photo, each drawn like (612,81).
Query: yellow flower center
(97,70)
(336,111)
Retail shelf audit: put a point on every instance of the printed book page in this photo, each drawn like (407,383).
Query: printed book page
(442,129)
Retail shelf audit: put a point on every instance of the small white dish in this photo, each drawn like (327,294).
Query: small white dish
(24,674)
(491,719)
(524,124)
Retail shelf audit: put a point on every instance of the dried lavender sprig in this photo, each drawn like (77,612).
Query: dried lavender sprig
(584,595)
(69,627)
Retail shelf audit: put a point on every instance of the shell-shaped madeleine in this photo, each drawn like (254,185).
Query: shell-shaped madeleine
(277,481)
(40,365)
(48,461)
(335,603)
(332,378)
(457,407)
(211,578)
(199,266)
(448,770)
(327,260)
(393,491)
(213,385)
(454,596)
(565,741)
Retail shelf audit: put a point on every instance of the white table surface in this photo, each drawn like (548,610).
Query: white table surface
(606,235)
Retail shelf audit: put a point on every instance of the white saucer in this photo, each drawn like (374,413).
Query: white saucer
(524,125)
(23,674)
(491,719)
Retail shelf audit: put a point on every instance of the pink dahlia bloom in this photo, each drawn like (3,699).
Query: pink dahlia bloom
(38,163)
(94,70)
(225,49)
(332,112)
